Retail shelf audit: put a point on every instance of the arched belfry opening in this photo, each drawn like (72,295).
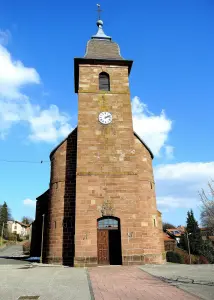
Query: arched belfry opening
(109,250)
(104,81)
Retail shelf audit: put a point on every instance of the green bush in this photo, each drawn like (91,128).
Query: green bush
(26,247)
(174,257)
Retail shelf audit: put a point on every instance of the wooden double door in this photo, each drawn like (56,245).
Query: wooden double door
(109,247)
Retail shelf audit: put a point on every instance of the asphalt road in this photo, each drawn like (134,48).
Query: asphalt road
(195,279)
(20,278)
(12,255)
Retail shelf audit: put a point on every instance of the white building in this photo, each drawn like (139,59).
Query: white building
(18,228)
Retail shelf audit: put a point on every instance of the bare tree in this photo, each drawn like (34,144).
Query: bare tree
(27,220)
(207,206)
(167,225)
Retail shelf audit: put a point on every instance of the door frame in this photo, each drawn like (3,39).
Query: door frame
(101,228)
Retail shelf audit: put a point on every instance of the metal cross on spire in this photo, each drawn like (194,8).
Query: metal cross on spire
(99,11)
(100,33)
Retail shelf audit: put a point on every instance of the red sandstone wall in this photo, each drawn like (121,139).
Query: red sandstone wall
(113,174)
(60,237)
(128,190)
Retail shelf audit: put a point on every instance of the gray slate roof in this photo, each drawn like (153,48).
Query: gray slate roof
(103,49)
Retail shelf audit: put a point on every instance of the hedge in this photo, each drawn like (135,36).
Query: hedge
(174,257)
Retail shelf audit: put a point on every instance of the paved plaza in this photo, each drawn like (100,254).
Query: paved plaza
(118,282)
(20,278)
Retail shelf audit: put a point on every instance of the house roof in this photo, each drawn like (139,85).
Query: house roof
(54,150)
(167,237)
(174,231)
(23,224)
(181,228)
(205,229)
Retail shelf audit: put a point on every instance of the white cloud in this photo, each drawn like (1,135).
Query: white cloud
(29,202)
(47,125)
(176,202)
(153,129)
(14,75)
(177,185)
(185,171)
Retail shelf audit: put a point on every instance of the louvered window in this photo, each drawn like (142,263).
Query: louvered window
(104,82)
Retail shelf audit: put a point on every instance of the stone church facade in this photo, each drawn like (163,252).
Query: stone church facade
(101,203)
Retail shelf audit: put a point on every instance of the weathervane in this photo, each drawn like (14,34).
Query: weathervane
(100,33)
(99,11)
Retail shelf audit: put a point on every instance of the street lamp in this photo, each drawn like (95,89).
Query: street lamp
(43,218)
(2,232)
(188,246)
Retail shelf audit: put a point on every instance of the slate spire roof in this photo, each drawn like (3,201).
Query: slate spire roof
(100,50)
(101,46)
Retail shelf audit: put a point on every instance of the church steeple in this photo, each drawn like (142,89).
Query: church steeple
(101,46)
(100,50)
(100,33)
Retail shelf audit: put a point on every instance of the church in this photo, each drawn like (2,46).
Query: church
(100,208)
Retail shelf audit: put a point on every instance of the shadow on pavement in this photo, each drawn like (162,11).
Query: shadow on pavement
(22,258)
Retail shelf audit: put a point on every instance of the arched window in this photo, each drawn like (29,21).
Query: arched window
(104,81)
(107,223)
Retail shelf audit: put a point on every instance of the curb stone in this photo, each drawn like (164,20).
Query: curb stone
(203,282)
(47,265)
(90,284)
(186,280)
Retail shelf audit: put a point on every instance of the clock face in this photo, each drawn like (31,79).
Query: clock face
(105,117)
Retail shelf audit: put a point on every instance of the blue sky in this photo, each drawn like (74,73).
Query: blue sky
(172,91)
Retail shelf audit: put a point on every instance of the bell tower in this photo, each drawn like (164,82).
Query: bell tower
(111,186)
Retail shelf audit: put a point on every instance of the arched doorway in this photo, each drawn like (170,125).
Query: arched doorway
(109,241)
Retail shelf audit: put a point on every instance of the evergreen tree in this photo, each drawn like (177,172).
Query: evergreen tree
(4,217)
(194,234)
(197,245)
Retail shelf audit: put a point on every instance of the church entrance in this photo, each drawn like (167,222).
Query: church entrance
(109,241)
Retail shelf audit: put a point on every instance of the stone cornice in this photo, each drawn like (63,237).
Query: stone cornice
(102,92)
(105,173)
